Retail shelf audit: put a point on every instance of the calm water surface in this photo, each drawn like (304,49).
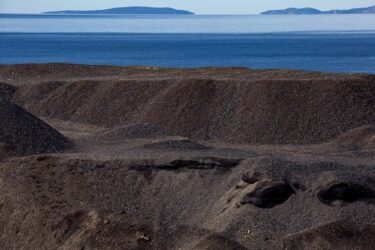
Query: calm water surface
(184,23)
(336,43)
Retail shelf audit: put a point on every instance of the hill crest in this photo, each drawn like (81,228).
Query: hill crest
(308,11)
(133,10)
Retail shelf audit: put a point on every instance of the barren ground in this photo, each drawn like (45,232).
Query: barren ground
(185,158)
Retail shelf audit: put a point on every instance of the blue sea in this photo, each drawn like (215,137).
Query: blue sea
(332,43)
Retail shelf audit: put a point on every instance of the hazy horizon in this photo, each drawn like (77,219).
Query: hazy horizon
(196,6)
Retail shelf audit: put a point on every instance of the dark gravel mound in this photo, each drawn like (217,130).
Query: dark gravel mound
(65,203)
(27,134)
(262,107)
(22,74)
(177,195)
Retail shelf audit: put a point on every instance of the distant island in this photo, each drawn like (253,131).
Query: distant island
(296,11)
(137,10)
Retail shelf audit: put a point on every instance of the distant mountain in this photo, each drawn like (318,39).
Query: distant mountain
(292,11)
(296,11)
(368,10)
(125,10)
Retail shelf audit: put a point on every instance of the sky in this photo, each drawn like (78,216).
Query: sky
(197,6)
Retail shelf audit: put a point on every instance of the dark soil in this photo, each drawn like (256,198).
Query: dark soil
(212,158)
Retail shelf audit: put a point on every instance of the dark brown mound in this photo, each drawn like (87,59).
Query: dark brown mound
(268,107)
(6,91)
(26,134)
(123,196)
(177,144)
(37,72)
(68,203)
(17,74)
(132,131)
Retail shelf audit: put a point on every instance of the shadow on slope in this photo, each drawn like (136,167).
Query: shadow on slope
(26,134)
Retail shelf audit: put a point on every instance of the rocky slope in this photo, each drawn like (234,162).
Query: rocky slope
(156,164)
(26,134)
(244,106)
